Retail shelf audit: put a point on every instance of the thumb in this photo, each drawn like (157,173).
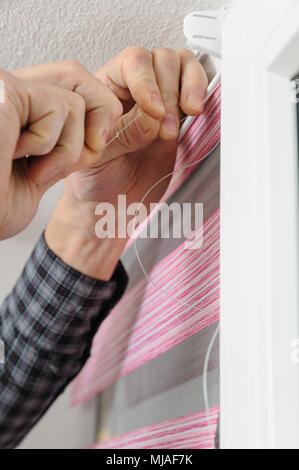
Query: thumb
(133,131)
(9,134)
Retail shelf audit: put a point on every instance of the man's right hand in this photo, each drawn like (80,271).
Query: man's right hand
(153,87)
(60,131)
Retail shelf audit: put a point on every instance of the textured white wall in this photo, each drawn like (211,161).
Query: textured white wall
(91,31)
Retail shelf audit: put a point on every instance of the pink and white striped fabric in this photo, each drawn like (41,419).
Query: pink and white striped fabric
(199,140)
(195,145)
(150,320)
(195,431)
(146,322)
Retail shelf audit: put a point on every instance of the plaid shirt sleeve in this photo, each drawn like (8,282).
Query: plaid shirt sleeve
(47,325)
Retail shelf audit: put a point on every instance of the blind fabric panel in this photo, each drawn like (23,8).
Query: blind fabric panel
(183,297)
(147,323)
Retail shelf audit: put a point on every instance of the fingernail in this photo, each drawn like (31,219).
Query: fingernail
(170,124)
(158,103)
(195,100)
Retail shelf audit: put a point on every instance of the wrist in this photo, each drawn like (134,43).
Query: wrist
(71,236)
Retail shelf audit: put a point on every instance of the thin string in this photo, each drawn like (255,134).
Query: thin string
(123,129)
(118,133)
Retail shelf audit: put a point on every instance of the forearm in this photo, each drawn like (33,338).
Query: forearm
(71,236)
(49,320)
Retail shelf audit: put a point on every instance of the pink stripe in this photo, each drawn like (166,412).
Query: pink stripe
(194,431)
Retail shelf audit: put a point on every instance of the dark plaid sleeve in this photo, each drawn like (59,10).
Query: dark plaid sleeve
(47,325)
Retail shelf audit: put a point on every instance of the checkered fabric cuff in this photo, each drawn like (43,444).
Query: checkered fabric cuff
(47,324)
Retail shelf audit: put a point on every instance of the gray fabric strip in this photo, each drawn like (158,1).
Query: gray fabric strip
(169,386)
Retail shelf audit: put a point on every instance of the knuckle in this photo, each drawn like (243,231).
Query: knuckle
(135,134)
(137,51)
(169,55)
(72,65)
(59,110)
(152,134)
(62,109)
(78,103)
(187,53)
(12,96)
(116,108)
(166,52)
(71,72)
(45,145)
(16,95)
(171,98)
(126,139)
(138,54)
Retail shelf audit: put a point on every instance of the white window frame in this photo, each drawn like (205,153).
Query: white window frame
(259,226)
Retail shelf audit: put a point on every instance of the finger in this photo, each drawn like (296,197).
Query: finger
(46,170)
(133,69)
(103,110)
(167,69)
(194,84)
(9,129)
(134,131)
(45,119)
(102,106)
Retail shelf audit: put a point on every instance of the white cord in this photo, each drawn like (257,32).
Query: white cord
(129,124)
(124,128)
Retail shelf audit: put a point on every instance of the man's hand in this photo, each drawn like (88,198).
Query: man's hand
(153,86)
(160,82)
(47,122)
(145,152)
(102,108)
